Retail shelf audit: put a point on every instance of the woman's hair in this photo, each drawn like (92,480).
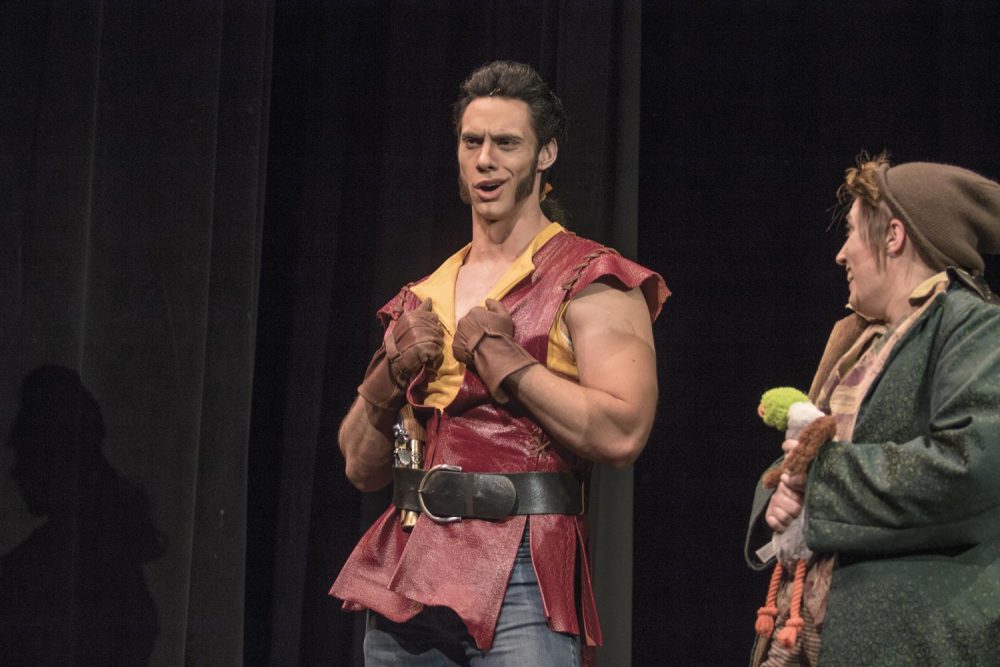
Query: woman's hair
(860,184)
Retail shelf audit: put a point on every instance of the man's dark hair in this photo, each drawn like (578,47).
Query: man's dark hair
(517,81)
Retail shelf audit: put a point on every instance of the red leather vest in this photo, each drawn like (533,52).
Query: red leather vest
(466,565)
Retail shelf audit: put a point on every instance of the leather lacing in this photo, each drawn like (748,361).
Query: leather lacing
(582,266)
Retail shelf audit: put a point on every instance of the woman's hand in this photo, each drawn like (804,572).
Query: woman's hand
(786,503)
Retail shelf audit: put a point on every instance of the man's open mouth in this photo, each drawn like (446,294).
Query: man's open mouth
(488,186)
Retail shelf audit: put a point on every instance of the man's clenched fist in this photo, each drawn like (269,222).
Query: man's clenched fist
(415,342)
(484,340)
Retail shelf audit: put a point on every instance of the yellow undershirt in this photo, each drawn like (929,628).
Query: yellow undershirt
(440,287)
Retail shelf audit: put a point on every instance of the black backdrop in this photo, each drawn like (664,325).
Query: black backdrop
(204,202)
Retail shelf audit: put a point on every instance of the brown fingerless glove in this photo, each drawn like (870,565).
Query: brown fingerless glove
(414,343)
(484,340)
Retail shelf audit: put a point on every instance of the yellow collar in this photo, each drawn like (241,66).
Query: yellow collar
(440,285)
(927,288)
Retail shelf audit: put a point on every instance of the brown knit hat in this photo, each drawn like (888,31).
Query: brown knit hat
(953,214)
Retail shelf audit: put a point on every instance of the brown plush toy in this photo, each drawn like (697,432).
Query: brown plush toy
(790,410)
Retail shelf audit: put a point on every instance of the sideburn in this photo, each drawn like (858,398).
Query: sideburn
(526,184)
(463,189)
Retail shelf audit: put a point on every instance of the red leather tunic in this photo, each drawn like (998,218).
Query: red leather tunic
(466,565)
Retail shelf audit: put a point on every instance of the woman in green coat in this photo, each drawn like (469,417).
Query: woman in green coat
(902,508)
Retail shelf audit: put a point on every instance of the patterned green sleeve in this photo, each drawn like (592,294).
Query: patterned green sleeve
(924,469)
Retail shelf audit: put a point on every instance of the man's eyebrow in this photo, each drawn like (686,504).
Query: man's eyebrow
(500,136)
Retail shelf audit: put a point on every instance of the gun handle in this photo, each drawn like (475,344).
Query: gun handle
(412,424)
(408,518)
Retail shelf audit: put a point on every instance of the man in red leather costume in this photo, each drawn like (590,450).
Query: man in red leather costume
(529,354)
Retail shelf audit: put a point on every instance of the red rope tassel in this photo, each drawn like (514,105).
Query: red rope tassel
(790,633)
(767,613)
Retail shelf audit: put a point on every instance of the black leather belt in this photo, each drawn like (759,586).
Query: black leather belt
(446,494)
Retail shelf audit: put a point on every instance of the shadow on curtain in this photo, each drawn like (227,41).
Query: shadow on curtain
(132,167)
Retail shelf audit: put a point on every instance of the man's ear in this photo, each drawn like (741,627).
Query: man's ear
(547,155)
(895,238)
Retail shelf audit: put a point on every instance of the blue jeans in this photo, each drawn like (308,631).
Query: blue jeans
(438,637)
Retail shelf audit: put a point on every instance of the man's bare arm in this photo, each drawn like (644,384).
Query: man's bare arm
(609,415)
(366,440)
(413,343)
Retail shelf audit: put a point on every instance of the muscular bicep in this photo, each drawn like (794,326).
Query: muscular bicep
(613,343)
(606,414)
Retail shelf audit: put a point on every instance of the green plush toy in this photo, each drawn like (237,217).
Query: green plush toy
(774,404)
(790,410)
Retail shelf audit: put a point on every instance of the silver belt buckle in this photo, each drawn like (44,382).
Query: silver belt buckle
(420,494)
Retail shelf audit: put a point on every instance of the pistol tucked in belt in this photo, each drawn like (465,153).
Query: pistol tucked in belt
(445,493)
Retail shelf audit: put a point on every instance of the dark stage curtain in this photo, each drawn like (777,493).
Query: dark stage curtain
(362,197)
(132,173)
(170,486)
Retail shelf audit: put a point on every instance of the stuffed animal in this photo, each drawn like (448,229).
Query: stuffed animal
(791,411)
(788,409)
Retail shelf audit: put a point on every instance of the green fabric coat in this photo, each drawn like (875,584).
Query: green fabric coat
(912,505)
